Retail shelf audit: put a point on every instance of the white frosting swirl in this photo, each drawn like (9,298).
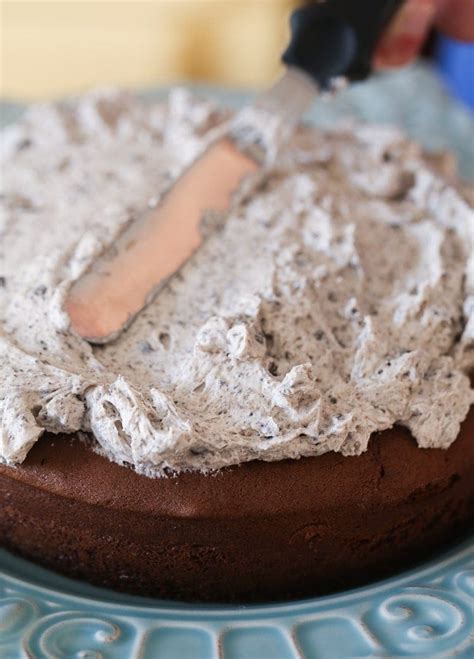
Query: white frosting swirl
(336,300)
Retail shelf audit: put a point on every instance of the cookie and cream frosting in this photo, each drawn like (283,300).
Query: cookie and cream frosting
(336,300)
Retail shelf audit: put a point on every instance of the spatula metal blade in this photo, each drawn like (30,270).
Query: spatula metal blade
(124,279)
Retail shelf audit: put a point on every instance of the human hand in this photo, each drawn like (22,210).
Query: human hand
(404,37)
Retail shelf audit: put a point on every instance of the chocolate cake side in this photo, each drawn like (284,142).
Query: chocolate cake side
(257,532)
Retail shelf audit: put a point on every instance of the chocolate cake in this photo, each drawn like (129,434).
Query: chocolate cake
(289,415)
(256,532)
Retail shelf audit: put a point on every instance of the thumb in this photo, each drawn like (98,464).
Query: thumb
(402,40)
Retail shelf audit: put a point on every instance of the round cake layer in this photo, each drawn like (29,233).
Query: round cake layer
(256,532)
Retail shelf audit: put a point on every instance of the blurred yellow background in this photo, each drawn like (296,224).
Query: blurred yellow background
(50,48)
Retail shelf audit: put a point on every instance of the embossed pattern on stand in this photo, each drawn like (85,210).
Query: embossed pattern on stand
(426,612)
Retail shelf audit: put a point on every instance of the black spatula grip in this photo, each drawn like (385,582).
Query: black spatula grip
(337,37)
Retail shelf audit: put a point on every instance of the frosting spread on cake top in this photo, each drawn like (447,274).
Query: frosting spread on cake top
(336,300)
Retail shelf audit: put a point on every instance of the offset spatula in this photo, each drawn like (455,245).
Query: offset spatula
(329,40)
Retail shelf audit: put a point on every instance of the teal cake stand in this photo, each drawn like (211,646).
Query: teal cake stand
(427,612)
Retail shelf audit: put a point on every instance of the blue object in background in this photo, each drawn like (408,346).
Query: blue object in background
(456,63)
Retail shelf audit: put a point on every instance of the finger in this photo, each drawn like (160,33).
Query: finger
(403,38)
(455,18)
